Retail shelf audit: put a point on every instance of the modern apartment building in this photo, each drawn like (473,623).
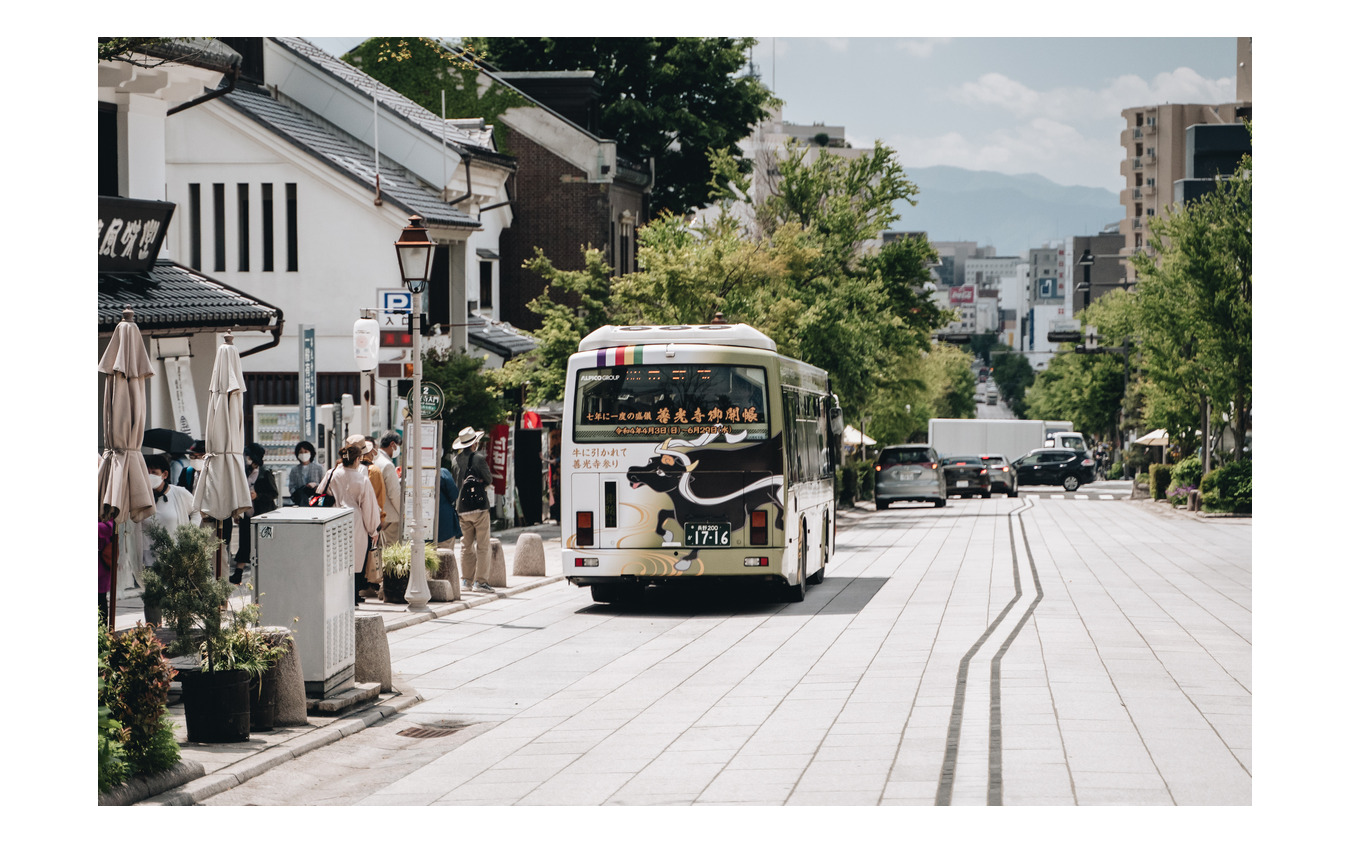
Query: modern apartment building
(1156,151)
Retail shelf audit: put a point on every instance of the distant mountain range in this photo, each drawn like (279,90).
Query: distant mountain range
(1012,213)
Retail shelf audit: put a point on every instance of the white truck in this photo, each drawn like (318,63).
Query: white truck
(1011,438)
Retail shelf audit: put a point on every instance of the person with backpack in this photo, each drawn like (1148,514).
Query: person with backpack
(473,476)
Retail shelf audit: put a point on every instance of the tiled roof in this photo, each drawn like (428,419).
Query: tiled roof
(346,154)
(174,298)
(478,139)
(501,338)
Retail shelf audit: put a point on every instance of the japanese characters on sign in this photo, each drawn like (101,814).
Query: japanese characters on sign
(130,232)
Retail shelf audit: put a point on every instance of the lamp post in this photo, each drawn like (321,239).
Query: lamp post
(414,248)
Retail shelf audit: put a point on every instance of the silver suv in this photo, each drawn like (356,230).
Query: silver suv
(909,473)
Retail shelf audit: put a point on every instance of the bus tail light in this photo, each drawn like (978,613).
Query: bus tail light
(756,561)
(585,528)
(587,562)
(759,527)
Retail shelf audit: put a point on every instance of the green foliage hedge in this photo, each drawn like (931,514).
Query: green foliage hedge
(135,690)
(1228,489)
(1159,480)
(112,760)
(1187,471)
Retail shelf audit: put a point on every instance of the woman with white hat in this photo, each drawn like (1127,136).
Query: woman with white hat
(473,478)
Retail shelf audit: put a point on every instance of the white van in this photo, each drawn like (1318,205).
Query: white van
(1067,439)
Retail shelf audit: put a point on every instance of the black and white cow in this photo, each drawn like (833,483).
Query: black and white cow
(713,484)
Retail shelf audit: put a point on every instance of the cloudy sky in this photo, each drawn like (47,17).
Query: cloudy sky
(1013,105)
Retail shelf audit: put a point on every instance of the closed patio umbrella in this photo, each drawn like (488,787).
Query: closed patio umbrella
(123,483)
(222,490)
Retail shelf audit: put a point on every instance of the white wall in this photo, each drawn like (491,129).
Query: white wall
(345,241)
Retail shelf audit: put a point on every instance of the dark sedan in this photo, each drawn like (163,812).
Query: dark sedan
(1055,466)
(1002,476)
(966,476)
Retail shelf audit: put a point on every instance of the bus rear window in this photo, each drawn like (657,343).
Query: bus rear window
(652,402)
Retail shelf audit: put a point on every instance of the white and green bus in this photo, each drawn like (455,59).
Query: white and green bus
(695,452)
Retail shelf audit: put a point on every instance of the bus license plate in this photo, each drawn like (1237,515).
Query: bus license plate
(707,534)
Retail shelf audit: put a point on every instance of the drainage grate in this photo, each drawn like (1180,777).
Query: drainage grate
(429,732)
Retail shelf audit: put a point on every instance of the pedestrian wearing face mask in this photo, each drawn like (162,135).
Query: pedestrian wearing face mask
(351,488)
(388,452)
(263,491)
(173,509)
(305,475)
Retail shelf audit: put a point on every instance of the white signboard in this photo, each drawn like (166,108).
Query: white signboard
(393,299)
(429,476)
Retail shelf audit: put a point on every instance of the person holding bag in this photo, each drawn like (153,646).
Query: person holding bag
(350,487)
(473,477)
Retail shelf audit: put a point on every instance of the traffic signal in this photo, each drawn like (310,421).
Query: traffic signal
(1064,336)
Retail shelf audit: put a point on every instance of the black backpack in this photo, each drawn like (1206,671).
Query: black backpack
(472,493)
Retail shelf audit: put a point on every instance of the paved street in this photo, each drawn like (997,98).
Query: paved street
(1028,651)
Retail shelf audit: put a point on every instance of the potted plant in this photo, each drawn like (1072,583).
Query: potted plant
(215,698)
(252,649)
(398,568)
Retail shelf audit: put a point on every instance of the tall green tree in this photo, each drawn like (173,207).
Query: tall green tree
(1013,375)
(472,395)
(1195,311)
(545,368)
(670,98)
(1089,389)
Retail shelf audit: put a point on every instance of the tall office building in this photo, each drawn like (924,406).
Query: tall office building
(1159,151)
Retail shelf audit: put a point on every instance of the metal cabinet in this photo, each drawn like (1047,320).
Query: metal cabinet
(305,560)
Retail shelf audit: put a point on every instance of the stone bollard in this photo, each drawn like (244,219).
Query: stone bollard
(291,707)
(529,559)
(1193,500)
(497,571)
(445,587)
(372,652)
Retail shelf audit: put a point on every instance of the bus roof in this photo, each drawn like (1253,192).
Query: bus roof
(736,334)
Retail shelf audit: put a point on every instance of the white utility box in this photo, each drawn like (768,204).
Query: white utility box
(305,558)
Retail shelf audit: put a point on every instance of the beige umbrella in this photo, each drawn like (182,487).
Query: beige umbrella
(123,483)
(1155,437)
(222,491)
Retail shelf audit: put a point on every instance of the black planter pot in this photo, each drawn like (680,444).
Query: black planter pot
(394,587)
(215,705)
(262,701)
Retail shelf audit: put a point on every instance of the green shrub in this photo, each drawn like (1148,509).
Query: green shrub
(1116,472)
(1159,479)
(136,691)
(1187,472)
(1228,489)
(847,480)
(112,762)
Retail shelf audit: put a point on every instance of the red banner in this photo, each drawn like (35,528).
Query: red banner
(498,448)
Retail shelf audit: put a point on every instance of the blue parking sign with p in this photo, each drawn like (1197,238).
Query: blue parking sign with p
(391,301)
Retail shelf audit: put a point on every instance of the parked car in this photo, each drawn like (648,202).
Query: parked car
(1055,466)
(966,476)
(1002,477)
(909,473)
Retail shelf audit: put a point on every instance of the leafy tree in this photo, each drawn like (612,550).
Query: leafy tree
(472,397)
(1013,374)
(803,276)
(563,326)
(422,69)
(1086,388)
(667,98)
(1195,310)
